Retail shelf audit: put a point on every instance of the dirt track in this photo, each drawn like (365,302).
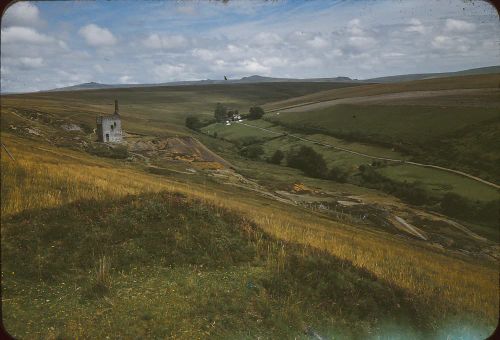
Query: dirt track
(304,107)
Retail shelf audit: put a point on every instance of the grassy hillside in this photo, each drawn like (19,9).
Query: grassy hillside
(157,110)
(409,77)
(390,123)
(450,83)
(83,241)
(120,267)
(156,247)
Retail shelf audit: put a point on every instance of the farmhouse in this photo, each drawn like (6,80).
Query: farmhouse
(109,128)
(233,115)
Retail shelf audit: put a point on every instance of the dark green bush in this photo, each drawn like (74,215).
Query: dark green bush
(252,152)
(309,161)
(277,157)
(255,112)
(337,174)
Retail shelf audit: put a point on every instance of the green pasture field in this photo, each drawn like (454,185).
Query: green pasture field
(436,181)
(237,132)
(441,182)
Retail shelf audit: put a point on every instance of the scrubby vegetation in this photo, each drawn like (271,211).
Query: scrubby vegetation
(99,248)
(255,112)
(307,160)
(277,157)
(196,123)
(252,151)
(460,207)
(338,174)
(104,150)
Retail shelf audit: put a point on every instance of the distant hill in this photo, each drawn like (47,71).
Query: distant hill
(418,76)
(244,80)
(86,86)
(260,79)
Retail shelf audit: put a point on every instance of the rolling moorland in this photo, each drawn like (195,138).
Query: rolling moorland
(189,233)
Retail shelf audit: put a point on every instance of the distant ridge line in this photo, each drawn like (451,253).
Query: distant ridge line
(261,79)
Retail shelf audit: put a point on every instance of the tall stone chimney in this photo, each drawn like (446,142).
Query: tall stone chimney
(116,107)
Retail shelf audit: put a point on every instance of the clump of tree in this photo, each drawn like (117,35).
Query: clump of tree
(338,175)
(255,112)
(455,205)
(220,113)
(309,161)
(193,123)
(277,157)
(252,152)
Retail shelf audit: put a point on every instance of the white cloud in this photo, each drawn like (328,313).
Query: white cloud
(393,54)
(169,72)
(22,13)
(253,66)
(442,42)
(318,42)
(23,63)
(354,22)
(416,26)
(453,25)
(97,36)
(455,44)
(233,48)
(98,68)
(266,38)
(354,27)
(362,43)
(156,41)
(309,62)
(30,63)
(17,34)
(275,62)
(125,79)
(203,54)
(415,22)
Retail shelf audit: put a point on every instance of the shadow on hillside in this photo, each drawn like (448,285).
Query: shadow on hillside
(171,230)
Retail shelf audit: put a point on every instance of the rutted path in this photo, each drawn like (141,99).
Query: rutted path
(321,104)
(461,173)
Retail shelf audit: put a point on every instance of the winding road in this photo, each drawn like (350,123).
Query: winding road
(461,173)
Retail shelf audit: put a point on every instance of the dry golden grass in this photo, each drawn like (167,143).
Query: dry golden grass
(43,177)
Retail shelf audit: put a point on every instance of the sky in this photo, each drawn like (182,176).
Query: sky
(50,44)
